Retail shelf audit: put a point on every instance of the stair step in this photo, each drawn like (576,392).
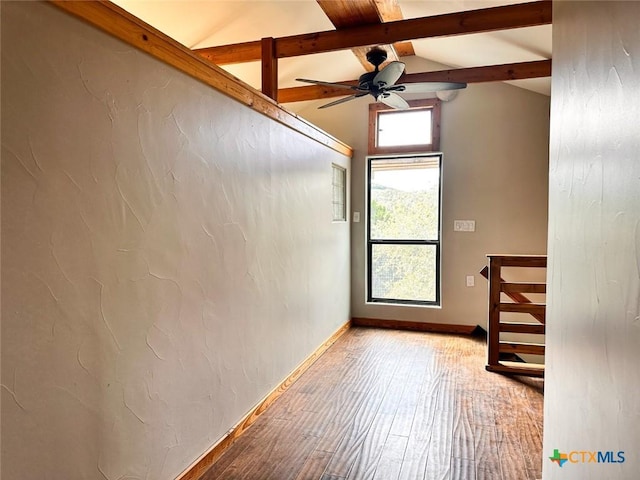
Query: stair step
(518,368)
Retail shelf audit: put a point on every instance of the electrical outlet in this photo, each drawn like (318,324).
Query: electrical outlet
(356,217)
(471,281)
(464,225)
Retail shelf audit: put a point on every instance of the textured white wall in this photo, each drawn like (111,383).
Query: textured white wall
(592,394)
(168,255)
(495,140)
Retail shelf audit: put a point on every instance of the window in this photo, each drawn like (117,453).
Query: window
(339,183)
(403,229)
(396,131)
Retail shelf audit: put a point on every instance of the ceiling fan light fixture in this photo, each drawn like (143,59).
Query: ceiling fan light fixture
(446,95)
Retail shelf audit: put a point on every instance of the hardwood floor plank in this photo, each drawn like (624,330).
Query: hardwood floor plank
(530,437)
(371,450)
(350,448)
(343,405)
(504,414)
(416,456)
(487,474)
(391,405)
(486,447)
(406,411)
(441,446)
(338,404)
(512,458)
(483,409)
(463,441)
(240,448)
(330,477)
(390,462)
(414,464)
(529,405)
(255,454)
(462,469)
(316,462)
(289,457)
(337,427)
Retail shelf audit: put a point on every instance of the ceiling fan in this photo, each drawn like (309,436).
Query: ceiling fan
(381,83)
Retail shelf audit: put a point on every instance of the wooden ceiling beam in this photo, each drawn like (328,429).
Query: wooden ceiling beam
(233,53)
(350,13)
(389,11)
(269,69)
(459,23)
(493,73)
(490,73)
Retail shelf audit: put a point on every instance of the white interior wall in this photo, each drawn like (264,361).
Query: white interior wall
(168,255)
(592,400)
(495,140)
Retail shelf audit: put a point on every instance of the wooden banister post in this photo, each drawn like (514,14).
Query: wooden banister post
(493,336)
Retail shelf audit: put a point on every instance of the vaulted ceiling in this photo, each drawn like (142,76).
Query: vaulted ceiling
(468,45)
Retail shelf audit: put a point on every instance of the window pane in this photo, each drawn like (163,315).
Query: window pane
(399,128)
(404,199)
(403,272)
(339,199)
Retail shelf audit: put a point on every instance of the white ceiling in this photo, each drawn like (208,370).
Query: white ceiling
(198,24)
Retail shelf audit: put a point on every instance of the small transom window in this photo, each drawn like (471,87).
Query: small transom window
(416,129)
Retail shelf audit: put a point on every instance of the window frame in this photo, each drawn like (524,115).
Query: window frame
(370,242)
(375,109)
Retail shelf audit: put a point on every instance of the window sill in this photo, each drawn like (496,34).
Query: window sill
(410,305)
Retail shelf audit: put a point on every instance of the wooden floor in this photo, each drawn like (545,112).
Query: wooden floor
(387,405)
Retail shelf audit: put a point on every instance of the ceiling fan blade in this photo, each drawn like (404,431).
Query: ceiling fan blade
(389,74)
(342,100)
(329,84)
(393,100)
(427,87)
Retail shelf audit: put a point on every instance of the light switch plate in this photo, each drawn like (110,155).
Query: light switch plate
(356,217)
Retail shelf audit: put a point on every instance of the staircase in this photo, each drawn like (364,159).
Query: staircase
(509,297)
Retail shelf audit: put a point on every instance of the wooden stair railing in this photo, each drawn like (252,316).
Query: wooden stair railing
(521,304)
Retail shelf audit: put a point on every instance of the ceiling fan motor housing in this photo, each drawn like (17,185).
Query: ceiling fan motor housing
(365,82)
(376,56)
